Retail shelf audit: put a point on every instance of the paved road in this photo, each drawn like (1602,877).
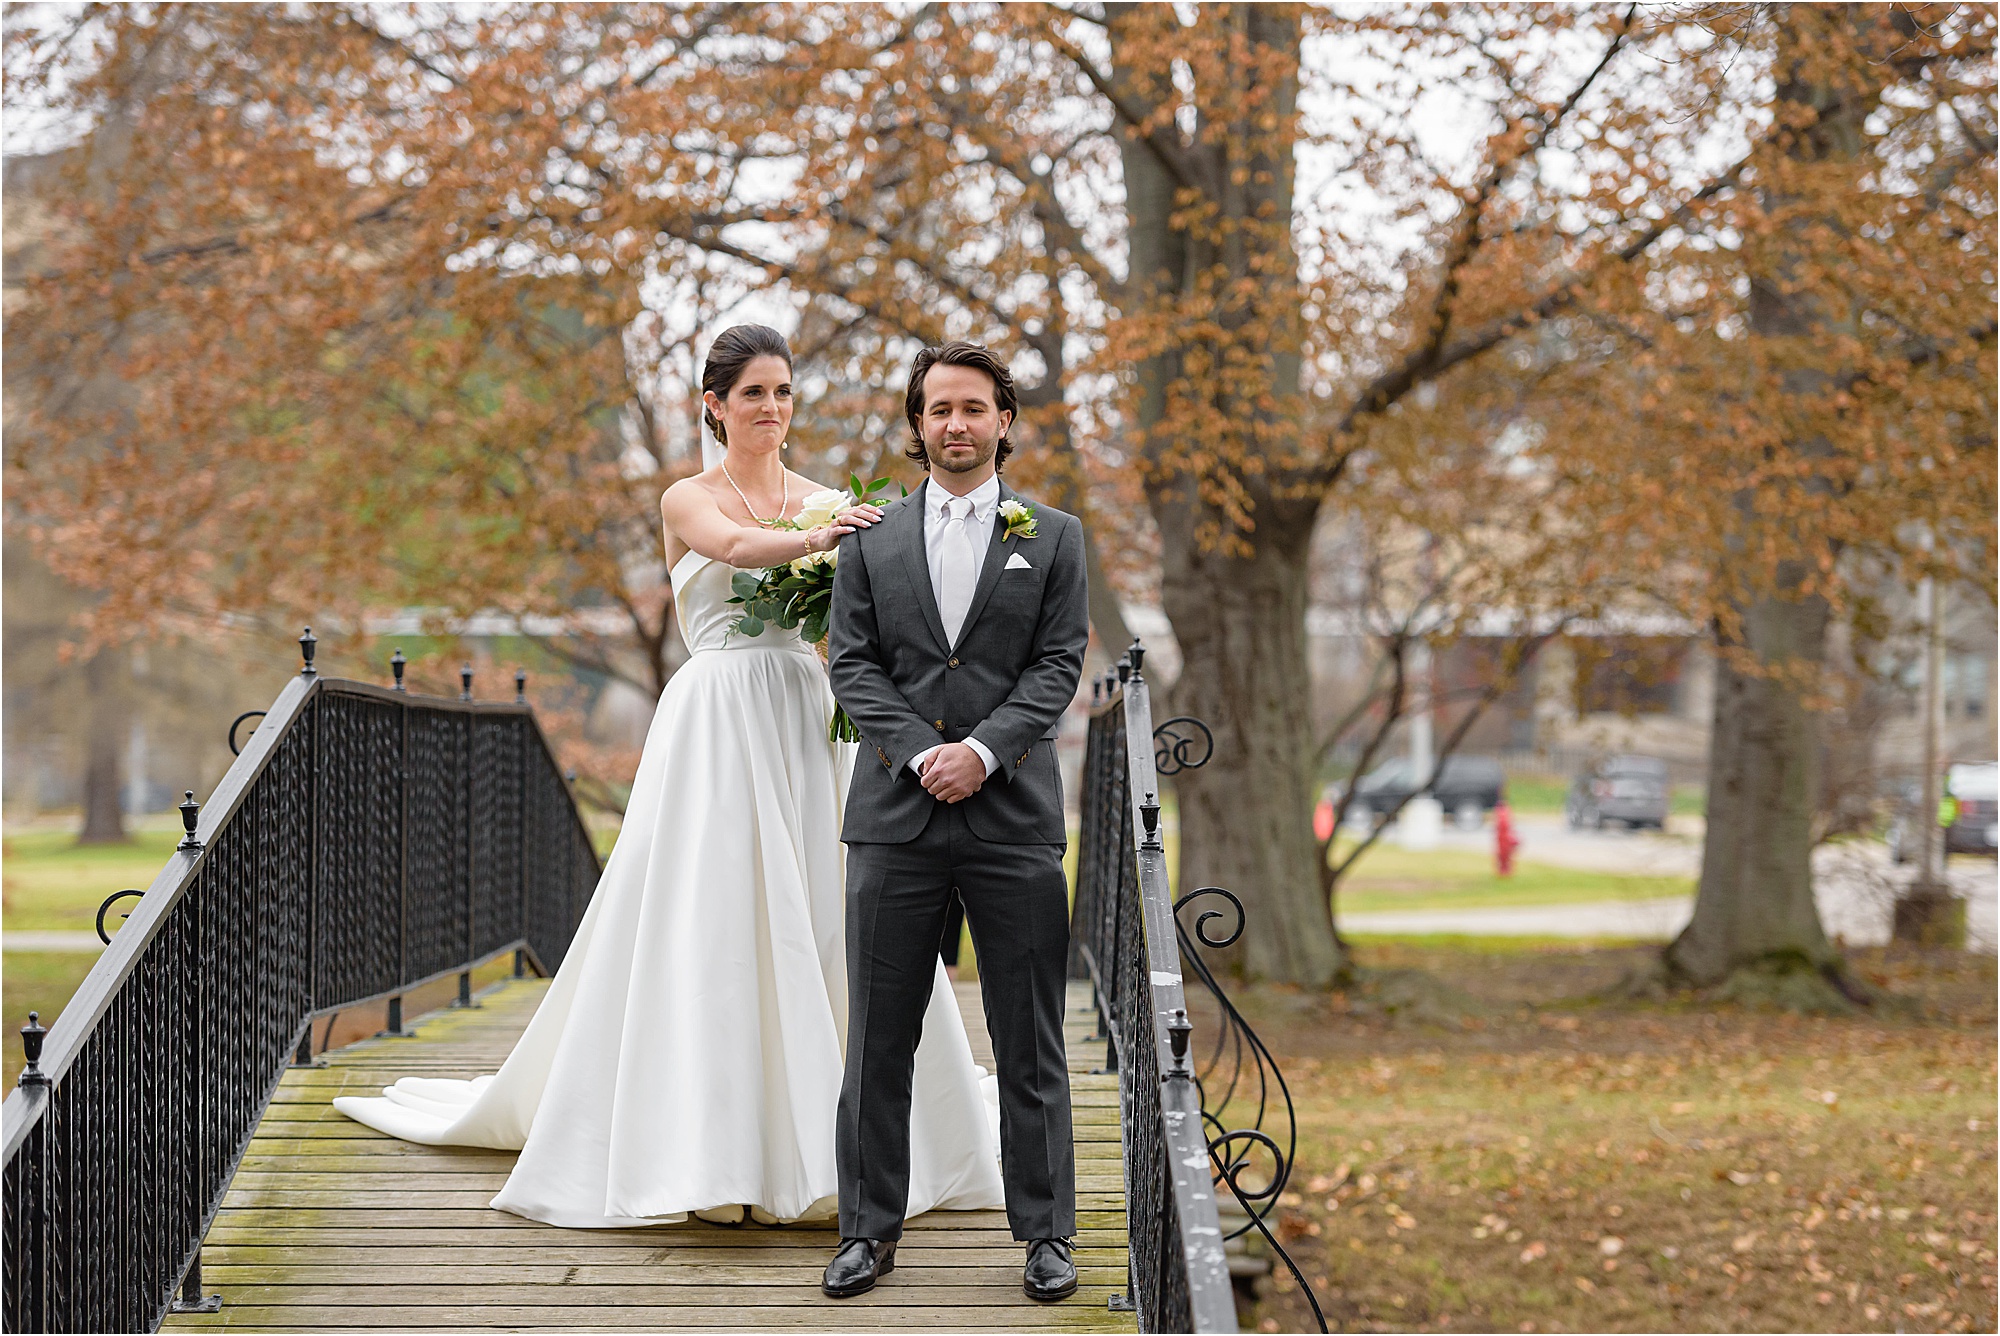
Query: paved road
(1855,885)
(51,941)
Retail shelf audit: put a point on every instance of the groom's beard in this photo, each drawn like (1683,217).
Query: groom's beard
(982,455)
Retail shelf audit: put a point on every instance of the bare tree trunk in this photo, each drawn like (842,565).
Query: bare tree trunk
(1755,906)
(104,766)
(1754,910)
(1245,817)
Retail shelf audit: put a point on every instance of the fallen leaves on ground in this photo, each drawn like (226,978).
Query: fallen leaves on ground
(1650,1168)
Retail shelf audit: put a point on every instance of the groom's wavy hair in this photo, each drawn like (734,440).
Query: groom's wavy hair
(735,348)
(957,353)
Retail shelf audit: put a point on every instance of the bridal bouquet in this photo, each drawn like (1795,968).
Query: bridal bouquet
(800,593)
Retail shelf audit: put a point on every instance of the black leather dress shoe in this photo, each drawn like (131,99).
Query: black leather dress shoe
(1049,1274)
(859,1264)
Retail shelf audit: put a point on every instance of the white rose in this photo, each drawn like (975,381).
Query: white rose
(800,565)
(820,508)
(1013,510)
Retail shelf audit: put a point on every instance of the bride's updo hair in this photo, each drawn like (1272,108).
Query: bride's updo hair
(735,348)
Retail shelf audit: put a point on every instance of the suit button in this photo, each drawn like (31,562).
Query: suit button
(940,725)
(952,663)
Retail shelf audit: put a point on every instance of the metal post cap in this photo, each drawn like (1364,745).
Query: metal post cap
(465,682)
(396,665)
(32,1035)
(190,813)
(308,643)
(520,686)
(1137,654)
(1178,1030)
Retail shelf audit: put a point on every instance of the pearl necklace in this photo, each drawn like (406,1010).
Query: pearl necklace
(784,497)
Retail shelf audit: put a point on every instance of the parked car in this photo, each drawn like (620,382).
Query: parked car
(1629,789)
(1972,797)
(1468,787)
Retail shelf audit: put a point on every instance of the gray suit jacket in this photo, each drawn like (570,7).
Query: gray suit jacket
(1007,681)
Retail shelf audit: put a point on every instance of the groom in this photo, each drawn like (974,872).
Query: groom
(959,625)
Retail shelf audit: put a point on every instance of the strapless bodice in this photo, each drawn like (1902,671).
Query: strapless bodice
(702,607)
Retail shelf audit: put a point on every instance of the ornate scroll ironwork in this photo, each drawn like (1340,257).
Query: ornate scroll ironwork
(105,908)
(1124,942)
(1174,745)
(235,747)
(1129,940)
(1240,1073)
(365,842)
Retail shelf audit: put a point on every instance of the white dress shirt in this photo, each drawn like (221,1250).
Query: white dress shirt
(957,532)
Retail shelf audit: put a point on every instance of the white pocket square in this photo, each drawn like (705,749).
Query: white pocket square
(1017,562)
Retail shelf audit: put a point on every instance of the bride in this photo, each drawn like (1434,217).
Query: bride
(687,1057)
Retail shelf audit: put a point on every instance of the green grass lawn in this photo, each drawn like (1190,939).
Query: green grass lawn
(1547,1162)
(1388,877)
(53,883)
(40,981)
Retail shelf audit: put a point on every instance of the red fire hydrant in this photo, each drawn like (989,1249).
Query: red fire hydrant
(1504,839)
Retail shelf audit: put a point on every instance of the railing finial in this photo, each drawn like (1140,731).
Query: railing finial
(32,1035)
(1097,691)
(465,682)
(396,665)
(520,686)
(190,813)
(1178,1030)
(308,644)
(1137,654)
(1149,812)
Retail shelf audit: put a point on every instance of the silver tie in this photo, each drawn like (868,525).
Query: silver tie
(961,560)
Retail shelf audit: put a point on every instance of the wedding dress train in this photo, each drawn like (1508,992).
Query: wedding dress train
(688,1053)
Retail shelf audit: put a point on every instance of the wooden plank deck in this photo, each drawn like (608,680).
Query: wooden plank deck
(332,1225)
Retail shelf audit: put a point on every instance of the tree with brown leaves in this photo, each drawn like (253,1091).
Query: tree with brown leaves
(387,281)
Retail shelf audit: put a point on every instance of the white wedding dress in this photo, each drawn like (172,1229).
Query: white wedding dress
(688,1054)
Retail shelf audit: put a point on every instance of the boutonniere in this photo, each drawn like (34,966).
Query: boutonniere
(1019,518)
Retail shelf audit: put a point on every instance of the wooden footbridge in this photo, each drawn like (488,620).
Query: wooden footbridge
(332,1225)
(173,1158)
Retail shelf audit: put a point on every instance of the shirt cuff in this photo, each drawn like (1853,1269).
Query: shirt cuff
(985,754)
(979,749)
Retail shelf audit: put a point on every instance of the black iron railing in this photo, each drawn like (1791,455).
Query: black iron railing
(1127,939)
(365,841)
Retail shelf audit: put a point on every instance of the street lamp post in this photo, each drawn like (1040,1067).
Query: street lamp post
(1927,913)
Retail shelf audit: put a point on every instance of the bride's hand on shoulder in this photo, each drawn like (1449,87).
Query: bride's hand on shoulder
(848,517)
(693,514)
(845,522)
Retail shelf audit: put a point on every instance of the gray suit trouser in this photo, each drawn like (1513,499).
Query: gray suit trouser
(1017,905)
